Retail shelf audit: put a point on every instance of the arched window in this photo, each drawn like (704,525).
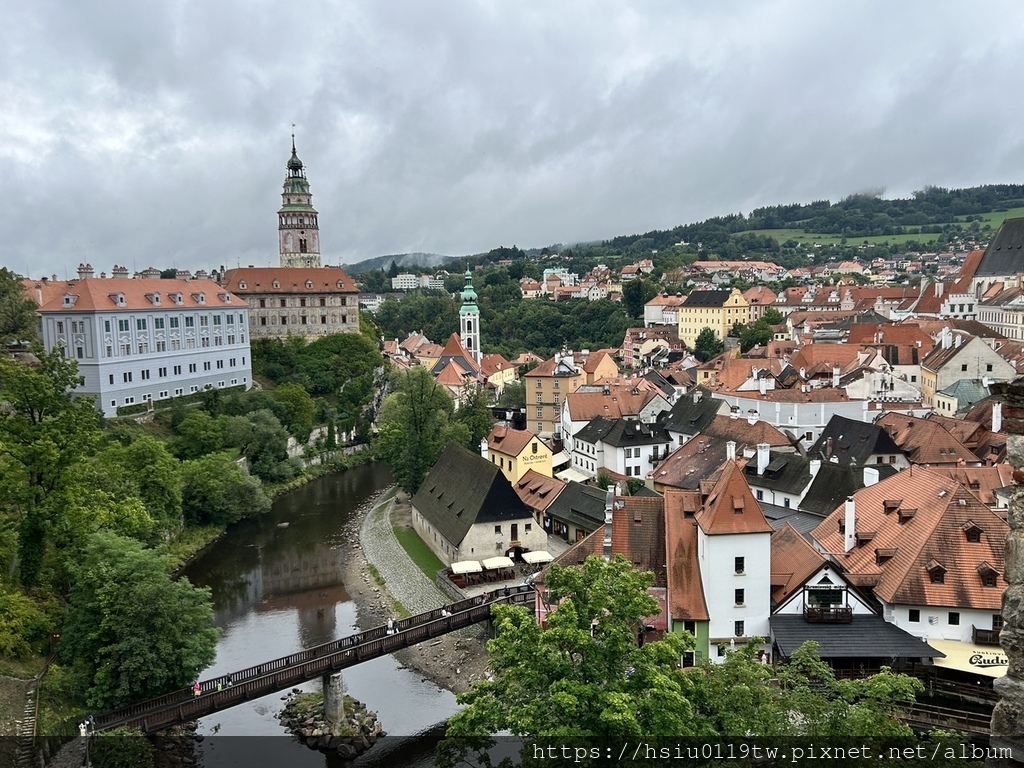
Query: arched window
(302,244)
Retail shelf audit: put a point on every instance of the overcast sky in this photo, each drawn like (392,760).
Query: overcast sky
(156,133)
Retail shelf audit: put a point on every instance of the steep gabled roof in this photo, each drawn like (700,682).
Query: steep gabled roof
(707,299)
(793,561)
(454,351)
(511,442)
(852,442)
(538,491)
(582,505)
(731,506)
(1005,253)
(693,412)
(925,441)
(685,587)
(463,488)
(933,534)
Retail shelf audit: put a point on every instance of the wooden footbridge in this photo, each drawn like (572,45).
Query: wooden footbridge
(227,691)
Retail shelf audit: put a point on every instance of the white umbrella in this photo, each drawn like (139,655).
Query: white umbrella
(539,556)
(466,566)
(493,563)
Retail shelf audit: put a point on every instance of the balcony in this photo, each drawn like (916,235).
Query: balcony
(985,636)
(829,615)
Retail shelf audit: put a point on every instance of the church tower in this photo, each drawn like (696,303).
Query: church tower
(469,319)
(297,227)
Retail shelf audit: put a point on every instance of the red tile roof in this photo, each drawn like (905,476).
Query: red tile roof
(101,294)
(685,588)
(794,561)
(289,280)
(731,507)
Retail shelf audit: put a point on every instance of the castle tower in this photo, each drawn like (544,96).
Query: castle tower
(469,319)
(297,227)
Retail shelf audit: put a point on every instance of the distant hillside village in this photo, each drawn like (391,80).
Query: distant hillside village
(843,481)
(843,478)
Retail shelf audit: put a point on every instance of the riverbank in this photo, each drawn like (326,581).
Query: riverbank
(454,661)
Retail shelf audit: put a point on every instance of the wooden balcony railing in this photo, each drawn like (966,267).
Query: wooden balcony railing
(985,636)
(829,615)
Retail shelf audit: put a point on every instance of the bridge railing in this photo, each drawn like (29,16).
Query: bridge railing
(226,691)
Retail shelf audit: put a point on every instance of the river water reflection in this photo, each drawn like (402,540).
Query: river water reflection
(277,588)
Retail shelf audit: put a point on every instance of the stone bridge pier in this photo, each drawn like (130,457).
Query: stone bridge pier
(334,698)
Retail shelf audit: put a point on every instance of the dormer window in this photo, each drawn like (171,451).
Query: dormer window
(936,572)
(340,284)
(276,284)
(117,298)
(154,299)
(972,532)
(989,575)
(199,298)
(309,284)
(225,297)
(70,299)
(241,284)
(884,555)
(905,515)
(177,298)
(891,505)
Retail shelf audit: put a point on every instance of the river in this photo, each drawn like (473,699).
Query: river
(278,589)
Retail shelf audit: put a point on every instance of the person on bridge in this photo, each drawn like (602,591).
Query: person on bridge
(391,626)
(197,689)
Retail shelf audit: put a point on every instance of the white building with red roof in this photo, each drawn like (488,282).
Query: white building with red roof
(138,340)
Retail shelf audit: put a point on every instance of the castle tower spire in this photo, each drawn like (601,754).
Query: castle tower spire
(297,227)
(469,319)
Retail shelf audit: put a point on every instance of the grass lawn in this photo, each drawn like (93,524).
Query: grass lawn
(419,552)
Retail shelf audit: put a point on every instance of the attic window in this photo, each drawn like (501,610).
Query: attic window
(176,298)
(906,514)
(309,283)
(737,505)
(891,505)
(936,572)
(199,297)
(276,284)
(242,285)
(884,555)
(225,297)
(69,300)
(989,575)
(117,298)
(341,284)
(972,532)
(638,520)
(864,536)
(154,299)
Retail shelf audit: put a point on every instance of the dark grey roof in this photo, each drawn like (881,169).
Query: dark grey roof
(663,384)
(463,488)
(689,417)
(834,483)
(777,517)
(594,430)
(1005,254)
(625,433)
(853,442)
(582,505)
(707,298)
(649,492)
(868,636)
(787,472)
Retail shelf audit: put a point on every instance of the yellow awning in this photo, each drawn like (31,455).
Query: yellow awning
(987,660)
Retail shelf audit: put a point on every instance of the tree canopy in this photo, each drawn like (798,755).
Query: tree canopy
(132,630)
(707,345)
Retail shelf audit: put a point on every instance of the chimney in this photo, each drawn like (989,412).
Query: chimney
(764,452)
(836,373)
(39,293)
(815,465)
(751,417)
(851,524)
(762,386)
(947,338)
(803,372)
(870,476)
(958,341)
(828,448)
(84,271)
(483,449)
(609,501)
(119,271)
(697,395)
(730,451)
(997,416)
(939,288)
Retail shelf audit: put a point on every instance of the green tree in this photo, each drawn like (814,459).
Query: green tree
(44,431)
(475,413)
(133,631)
(299,410)
(635,294)
(414,426)
(772,316)
(707,345)
(759,333)
(585,676)
(144,469)
(265,445)
(215,490)
(17,310)
(513,395)
(199,433)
